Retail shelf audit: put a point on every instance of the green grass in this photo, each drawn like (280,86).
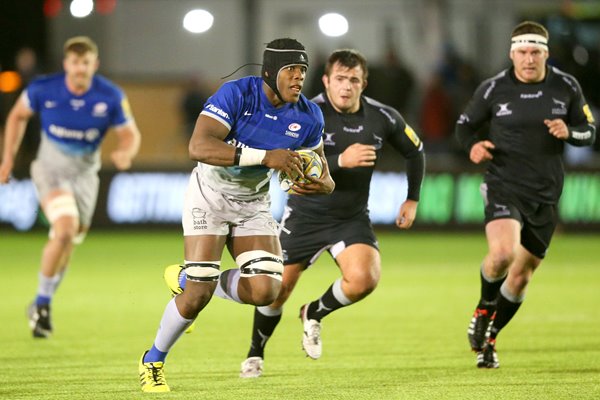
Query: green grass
(405,341)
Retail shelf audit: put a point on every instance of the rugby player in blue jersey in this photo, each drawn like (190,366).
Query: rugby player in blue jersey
(356,126)
(76,109)
(247,129)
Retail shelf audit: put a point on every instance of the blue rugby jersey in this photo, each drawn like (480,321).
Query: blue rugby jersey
(242,106)
(77,124)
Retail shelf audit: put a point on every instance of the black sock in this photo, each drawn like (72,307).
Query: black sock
(262,329)
(489,292)
(318,309)
(505,310)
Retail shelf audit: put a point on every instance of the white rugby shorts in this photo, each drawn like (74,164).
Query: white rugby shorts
(207,211)
(84,186)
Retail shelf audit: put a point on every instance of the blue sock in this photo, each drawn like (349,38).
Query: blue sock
(42,300)
(182,279)
(155,355)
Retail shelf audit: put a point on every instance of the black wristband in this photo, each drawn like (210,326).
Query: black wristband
(238,154)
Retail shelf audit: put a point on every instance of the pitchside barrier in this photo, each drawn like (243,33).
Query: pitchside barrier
(448,201)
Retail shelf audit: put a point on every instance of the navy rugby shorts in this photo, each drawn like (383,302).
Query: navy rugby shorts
(304,239)
(538,220)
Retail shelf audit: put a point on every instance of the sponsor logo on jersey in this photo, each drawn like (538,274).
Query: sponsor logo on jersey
(216,110)
(294,127)
(532,95)
(49,104)
(59,131)
(292,130)
(412,135)
(273,117)
(247,113)
(329,139)
(100,109)
(588,114)
(236,143)
(503,111)
(562,107)
(353,130)
(199,219)
(77,103)
(463,119)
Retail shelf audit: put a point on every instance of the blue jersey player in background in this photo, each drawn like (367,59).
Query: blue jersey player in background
(76,108)
(247,129)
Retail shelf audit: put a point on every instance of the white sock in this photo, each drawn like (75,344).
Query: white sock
(268,311)
(172,325)
(227,286)
(47,285)
(338,293)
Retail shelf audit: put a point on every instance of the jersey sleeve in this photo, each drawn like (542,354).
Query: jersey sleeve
(582,127)
(473,117)
(32,96)
(224,104)
(121,113)
(406,141)
(402,137)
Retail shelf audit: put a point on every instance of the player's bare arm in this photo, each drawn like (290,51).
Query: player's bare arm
(407,214)
(16,122)
(207,146)
(557,128)
(480,151)
(358,155)
(128,146)
(322,185)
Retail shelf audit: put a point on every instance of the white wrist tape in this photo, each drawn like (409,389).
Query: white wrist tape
(251,156)
(340,161)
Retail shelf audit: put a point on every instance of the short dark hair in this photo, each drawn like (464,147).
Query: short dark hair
(349,58)
(80,45)
(530,27)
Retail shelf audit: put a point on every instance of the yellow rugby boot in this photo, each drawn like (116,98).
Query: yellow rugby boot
(152,376)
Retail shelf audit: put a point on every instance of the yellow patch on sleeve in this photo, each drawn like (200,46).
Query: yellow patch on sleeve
(126,108)
(588,114)
(412,135)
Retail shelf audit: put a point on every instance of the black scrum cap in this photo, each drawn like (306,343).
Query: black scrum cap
(281,53)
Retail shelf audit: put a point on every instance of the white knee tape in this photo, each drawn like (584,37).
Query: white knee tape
(60,206)
(78,239)
(203,271)
(260,262)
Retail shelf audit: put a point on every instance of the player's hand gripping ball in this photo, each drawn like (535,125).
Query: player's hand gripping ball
(311,166)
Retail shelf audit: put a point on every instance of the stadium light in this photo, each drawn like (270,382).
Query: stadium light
(333,24)
(198,21)
(81,8)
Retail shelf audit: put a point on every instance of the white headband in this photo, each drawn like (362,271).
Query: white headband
(529,40)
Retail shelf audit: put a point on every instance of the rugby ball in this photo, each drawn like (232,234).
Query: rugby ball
(311,166)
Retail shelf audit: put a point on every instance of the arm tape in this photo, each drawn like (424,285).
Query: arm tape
(250,156)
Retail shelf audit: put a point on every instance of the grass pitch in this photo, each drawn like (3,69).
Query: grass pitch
(405,341)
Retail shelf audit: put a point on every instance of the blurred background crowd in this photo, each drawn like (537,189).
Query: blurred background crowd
(425,57)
